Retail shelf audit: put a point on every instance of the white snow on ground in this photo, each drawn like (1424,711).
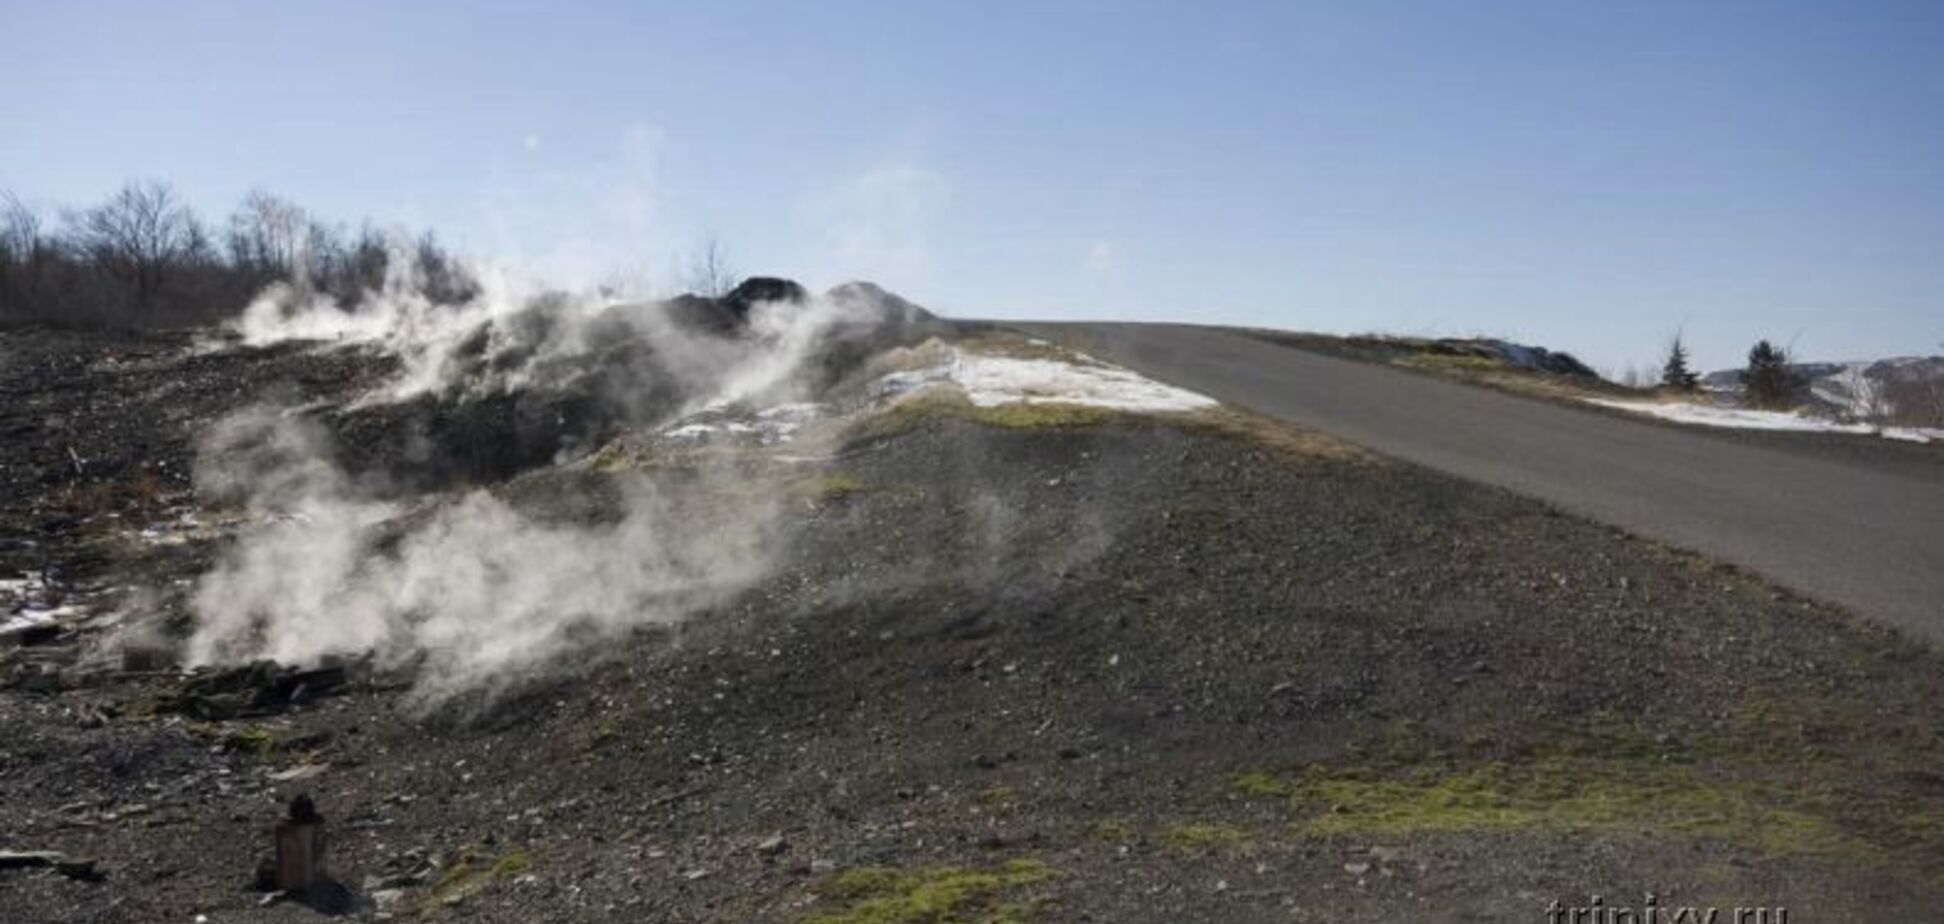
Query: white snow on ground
(18,610)
(1742,418)
(1849,388)
(25,621)
(989,381)
(767,427)
(986,380)
(32,617)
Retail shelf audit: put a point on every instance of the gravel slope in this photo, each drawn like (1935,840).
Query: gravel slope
(1838,526)
(1055,667)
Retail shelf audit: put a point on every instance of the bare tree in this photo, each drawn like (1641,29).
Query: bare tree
(139,235)
(20,227)
(273,236)
(441,277)
(142,259)
(708,272)
(1937,399)
(1925,409)
(24,258)
(1874,402)
(1630,375)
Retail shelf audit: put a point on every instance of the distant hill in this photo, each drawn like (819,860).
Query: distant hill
(1902,389)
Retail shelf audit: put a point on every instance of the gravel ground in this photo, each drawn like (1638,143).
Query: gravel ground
(1032,667)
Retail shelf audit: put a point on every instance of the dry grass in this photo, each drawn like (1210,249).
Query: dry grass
(1287,439)
(1518,381)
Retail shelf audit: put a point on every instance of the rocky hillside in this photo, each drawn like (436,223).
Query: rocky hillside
(818,609)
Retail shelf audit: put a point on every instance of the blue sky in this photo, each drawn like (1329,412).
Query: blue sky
(1591,176)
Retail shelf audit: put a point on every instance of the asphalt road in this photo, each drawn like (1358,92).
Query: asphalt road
(1840,529)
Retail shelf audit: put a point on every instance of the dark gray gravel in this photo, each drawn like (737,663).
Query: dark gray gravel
(1065,646)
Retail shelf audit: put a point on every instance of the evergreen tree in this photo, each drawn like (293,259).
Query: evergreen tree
(1768,381)
(1675,373)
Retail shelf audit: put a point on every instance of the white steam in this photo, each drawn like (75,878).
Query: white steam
(514,334)
(473,593)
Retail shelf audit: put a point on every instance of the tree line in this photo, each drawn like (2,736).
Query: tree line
(1771,381)
(143,259)
(1767,382)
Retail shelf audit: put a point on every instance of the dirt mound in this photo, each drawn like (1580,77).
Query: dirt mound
(512,392)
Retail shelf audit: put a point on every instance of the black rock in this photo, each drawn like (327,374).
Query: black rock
(762,289)
(302,809)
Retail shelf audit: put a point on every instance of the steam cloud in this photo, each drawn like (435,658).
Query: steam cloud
(476,595)
(513,334)
(472,593)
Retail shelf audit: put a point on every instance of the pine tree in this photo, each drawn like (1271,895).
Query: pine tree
(1675,373)
(1769,382)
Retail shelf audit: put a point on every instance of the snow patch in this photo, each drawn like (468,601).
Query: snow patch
(990,381)
(1708,415)
(767,427)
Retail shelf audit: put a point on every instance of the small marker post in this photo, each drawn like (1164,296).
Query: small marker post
(300,848)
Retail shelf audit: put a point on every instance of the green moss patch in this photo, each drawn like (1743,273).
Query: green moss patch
(472,871)
(612,458)
(1667,800)
(1023,416)
(605,732)
(920,409)
(932,894)
(836,486)
(252,741)
(999,796)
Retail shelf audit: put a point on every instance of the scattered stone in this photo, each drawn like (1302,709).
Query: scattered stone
(38,679)
(1356,868)
(137,658)
(77,868)
(262,688)
(773,845)
(31,634)
(299,773)
(25,859)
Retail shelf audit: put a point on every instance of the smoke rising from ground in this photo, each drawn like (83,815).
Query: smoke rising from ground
(514,334)
(472,593)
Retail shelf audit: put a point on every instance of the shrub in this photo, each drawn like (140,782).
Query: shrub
(1769,382)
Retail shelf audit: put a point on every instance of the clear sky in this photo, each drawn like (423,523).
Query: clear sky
(1590,176)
